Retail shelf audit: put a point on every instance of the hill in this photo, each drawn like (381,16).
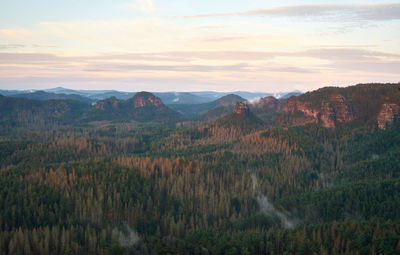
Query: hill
(16,113)
(208,111)
(241,119)
(43,96)
(142,107)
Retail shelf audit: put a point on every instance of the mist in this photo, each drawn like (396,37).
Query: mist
(125,236)
(268,208)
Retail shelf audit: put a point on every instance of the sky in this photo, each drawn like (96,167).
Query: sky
(187,45)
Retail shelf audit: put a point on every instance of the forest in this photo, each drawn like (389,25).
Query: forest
(232,186)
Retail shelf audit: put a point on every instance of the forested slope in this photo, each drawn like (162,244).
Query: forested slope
(218,188)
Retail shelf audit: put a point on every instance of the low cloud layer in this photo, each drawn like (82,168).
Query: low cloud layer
(332,54)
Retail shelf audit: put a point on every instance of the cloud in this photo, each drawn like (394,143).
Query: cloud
(67,30)
(177,68)
(21,46)
(330,54)
(146,6)
(190,70)
(223,38)
(28,58)
(387,67)
(389,11)
(14,32)
(344,54)
(291,69)
(12,46)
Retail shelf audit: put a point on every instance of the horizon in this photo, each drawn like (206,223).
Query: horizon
(153,45)
(51,89)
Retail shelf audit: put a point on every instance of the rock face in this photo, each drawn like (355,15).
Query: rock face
(327,116)
(140,100)
(334,110)
(241,108)
(388,114)
(343,113)
(295,111)
(267,103)
(110,103)
(293,105)
(144,99)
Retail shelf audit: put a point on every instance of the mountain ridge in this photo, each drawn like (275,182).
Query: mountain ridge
(330,106)
(142,107)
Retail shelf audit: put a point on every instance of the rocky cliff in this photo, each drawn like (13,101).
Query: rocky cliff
(241,108)
(388,114)
(109,103)
(267,103)
(367,104)
(327,113)
(146,99)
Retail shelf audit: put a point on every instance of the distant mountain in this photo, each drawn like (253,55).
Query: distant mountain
(182,98)
(229,100)
(244,94)
(290,94)
(61,90)
(41,95)
(14,92)
(143,107)
(172,97)
(22,112)
(219,107)
(94,95)
(108,94)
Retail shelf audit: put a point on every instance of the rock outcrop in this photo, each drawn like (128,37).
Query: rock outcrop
(267,103)
(144,99)
(106,104)
(326,116)
(293,105)
(388,114)
(240,121)
(143,107)
(241,108)
(296,111)
(343,113)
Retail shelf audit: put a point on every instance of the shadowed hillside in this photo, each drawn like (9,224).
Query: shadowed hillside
(143,107)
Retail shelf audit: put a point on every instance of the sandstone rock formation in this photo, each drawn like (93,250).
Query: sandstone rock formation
(267,103)
(388,114)
(143,99)
(296,111)
(241,109)
(110,103)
